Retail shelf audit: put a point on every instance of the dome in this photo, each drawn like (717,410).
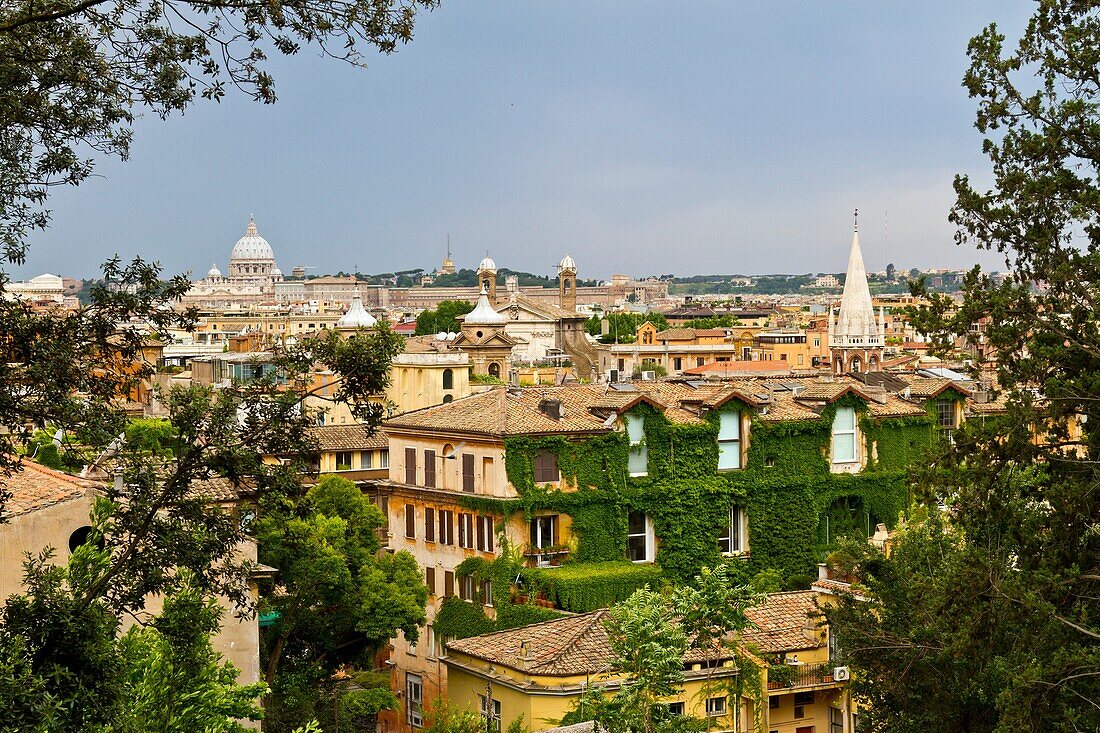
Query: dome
(357,316)
(487,264)
(214,271)
(275,271)
(483,313)
(252,246)
(567,263)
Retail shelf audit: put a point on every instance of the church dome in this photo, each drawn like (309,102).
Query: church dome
(567,263)
(487,264)
(357,316)
(483,313)
(252,246)
(214,271)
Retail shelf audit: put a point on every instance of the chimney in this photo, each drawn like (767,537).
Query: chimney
(552,408)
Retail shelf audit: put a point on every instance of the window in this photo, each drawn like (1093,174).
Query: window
(448,379)
(429,469)
(410,466)
(384,458)
(466,590)
(446,527)
(485,534)
(414,700)
(677,363)
(804,698)
(716,706)
(638,459)
(433,643)
(735,541)
(546,467)
(447,399)
(487,474)
(466,530)
(487,592)
(448,583)
(799,711)
(700,361)
(490,713)
(676,708)
(844,435)
(729,440)
(945,414)
(365,459)
(429,524)
(773,702)
(543,535)
(468,473)
(429,580)
(639,537)
(836,720)
(410,521)
(344,460)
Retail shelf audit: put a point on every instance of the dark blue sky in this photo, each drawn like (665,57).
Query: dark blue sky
(639,136)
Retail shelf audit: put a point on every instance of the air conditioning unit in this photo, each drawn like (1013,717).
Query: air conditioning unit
(649,376)
(841,674)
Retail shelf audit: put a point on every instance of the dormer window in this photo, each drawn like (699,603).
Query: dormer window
(844,436)
(638,457)
(729,440)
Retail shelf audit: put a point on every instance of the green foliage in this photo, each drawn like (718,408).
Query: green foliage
(622,327)
(444,319)
(151,435)
(583,587)
(726,321)
(445,717)
(648,365)
(785,485)
(339,599)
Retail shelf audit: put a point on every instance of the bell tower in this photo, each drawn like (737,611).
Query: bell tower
(487,277)
(857,339)
(567,284)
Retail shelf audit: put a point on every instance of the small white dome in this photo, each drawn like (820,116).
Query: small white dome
(214,271)
(252,246)
(567,263)
(276,271)
(487,264)
(357,316)
(483,313)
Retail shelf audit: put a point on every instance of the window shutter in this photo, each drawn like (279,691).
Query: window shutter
(429,580)
(429,469)
(410,521)
(461,529)
(468,473)
(429,524)
(481,534)
(410,466)
(448,584)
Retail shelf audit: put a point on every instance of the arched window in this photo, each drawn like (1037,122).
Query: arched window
(448,379)
(494,370)
(448,398)
(79,537)
(855,365)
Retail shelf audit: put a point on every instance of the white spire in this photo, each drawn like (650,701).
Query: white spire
(856,324)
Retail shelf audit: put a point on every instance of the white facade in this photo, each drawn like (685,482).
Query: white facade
(856,336)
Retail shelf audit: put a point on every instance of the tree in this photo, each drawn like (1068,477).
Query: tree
(73,75)
(338,599)
(444,319)
(622,326)
(991,612)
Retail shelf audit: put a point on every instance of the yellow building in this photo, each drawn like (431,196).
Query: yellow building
(538,672)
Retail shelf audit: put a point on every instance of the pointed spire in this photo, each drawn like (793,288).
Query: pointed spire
(856,323)
(483,313)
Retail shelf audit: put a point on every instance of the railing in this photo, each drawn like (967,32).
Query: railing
(799,675)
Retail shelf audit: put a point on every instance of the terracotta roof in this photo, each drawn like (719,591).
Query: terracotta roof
(37,487)
(740,366)
(347,437)
(928,387)
(573,645)
(784,622)
(676,334)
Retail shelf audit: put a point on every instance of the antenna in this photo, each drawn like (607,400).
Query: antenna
(886,227)
(856,216)
(448,245)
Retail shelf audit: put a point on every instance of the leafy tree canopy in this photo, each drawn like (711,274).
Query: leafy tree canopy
(444,319)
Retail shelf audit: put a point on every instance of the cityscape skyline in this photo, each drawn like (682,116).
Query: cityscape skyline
(526,139)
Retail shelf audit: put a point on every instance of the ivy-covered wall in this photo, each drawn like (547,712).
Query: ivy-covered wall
(785,486)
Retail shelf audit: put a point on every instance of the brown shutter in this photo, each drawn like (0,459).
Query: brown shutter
(448,584)
(468,473)
(410,521)
(429,580)
(410,466)
(429,524)
(429,469)
(488,534)
(481,534)
(461,529)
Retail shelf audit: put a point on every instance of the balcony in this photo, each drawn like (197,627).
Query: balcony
(794,676)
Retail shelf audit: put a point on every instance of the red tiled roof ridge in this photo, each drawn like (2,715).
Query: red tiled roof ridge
(567,645)
(84,483)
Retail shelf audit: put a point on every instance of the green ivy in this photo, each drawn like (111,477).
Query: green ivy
(584,587)
(785,486)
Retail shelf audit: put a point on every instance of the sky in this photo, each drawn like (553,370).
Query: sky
(639,136)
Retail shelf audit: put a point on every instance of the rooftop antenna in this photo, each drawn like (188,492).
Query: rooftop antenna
(448,245)
(886,228)
(856,228)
